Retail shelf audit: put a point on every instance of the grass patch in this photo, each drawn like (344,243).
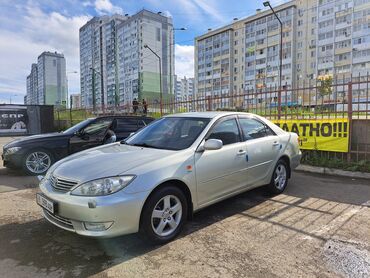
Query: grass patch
(315,158)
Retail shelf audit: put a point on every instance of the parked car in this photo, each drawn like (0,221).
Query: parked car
(153,181)
(35,154)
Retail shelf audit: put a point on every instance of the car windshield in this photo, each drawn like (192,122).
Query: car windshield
(78,126)
(172,133)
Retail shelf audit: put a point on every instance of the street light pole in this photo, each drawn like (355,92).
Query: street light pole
(267,4)
(172,35)
(160,78)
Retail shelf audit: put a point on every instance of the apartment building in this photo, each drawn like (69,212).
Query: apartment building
(75,101)
(123,69)
(320,37)
(32,93)
(98,61)
(184,92)
(47,82)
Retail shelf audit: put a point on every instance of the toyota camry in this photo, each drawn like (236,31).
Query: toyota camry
(156,179)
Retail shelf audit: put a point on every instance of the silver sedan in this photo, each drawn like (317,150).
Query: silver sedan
(153,181)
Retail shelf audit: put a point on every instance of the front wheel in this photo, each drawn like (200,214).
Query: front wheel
(37,162)
(279,179)
(164,214)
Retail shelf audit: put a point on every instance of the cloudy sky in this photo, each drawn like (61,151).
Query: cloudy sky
(29,27)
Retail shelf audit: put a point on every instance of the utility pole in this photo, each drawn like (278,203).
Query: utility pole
(267,4)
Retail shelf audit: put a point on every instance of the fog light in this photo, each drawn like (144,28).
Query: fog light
(97,226)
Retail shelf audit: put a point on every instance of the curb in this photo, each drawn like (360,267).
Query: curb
(333,172)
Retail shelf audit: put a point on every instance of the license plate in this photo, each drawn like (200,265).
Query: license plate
(45,203)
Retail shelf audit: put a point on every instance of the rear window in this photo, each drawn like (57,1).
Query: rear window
(126,125)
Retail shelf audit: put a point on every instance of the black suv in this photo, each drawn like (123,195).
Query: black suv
(35,154)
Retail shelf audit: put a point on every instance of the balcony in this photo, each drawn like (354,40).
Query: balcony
(343,37)
(343,63)
(343,50)
(362,59)
(325,65)
(261,66)
(260,56)
(342,25)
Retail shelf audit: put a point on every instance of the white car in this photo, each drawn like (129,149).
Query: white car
(154,180)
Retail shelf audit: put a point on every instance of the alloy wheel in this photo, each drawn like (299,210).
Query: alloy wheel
(38,162)
(280,176)
(166,215)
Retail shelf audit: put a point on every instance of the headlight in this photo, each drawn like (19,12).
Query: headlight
(102,187)
(12,150)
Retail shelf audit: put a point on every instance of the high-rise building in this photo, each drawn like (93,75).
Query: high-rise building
(98,63)
(184,92)
(52,79)
(47,82)
(112,47)
(32,88)
(320,37)
(75,101)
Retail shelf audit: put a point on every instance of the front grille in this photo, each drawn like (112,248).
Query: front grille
(62,184)
(59,220)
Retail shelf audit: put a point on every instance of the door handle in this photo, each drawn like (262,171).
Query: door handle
(241,152)
(276,143)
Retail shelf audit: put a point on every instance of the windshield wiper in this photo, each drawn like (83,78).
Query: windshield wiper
(145,145)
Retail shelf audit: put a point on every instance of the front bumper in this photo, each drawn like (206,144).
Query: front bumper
(12,161)
(121,208)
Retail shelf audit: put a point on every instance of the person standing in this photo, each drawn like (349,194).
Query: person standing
(135,105)
(145,107)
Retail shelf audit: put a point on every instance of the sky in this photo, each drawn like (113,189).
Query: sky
(29,27)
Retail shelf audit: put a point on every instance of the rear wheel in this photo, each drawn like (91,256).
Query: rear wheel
(164,214)
(37,162)
(279,179)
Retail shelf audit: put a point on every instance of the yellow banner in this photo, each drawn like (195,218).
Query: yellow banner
(320,134)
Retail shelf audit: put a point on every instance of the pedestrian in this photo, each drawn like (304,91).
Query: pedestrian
(145,107)
(135,105)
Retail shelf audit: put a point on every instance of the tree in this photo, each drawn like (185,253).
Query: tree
(326,83)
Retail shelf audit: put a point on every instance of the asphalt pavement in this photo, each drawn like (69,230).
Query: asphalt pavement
(319,227)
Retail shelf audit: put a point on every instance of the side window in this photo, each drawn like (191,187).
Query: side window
(126,125)
(227,131)
(97,126)
(254,129)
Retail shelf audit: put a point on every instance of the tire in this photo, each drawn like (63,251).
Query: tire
(157,216)
(278,184)
(44,157)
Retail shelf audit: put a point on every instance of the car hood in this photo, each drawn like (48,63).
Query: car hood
(106,161)
(28,139)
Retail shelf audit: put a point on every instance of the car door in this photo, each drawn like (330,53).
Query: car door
(125,126)
(220,172)
(90,136)
(263,147)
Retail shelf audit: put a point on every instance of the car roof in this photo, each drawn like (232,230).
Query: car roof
(209,114)
(125,116)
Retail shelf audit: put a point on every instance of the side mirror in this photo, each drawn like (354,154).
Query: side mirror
(213,144)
